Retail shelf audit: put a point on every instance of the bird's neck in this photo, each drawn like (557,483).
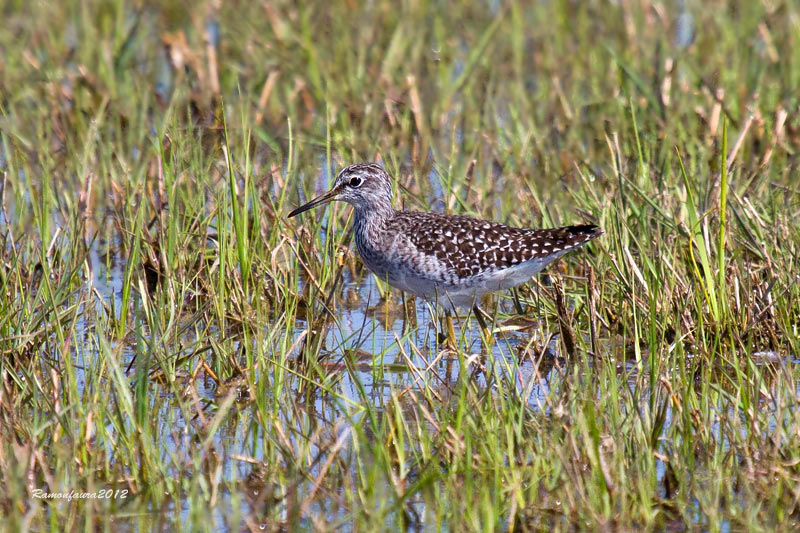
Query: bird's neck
(373,218)
(376,213)
(369,227)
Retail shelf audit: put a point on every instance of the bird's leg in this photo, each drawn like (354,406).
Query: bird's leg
(485,331)
(517,303)
(447,330)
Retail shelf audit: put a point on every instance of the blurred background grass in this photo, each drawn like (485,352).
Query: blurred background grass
(156,305)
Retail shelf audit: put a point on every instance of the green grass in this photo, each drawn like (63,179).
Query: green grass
(165,331)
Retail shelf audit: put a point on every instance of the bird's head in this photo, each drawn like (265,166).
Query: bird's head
(365,186)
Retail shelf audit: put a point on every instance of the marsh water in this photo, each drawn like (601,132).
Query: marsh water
(372,352)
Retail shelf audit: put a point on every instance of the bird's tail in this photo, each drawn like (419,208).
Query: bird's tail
(554,240)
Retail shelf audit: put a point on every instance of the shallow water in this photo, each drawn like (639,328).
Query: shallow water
(381,368)
(366,349)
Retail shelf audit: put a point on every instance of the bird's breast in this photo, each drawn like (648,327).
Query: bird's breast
(372,248)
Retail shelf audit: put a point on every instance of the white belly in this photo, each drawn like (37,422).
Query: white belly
(465,293)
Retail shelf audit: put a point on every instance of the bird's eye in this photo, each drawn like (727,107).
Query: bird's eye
(355,182)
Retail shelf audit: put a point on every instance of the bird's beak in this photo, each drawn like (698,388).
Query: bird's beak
(319,200)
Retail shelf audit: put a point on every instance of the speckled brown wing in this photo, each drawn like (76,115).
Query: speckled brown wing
(468,247)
